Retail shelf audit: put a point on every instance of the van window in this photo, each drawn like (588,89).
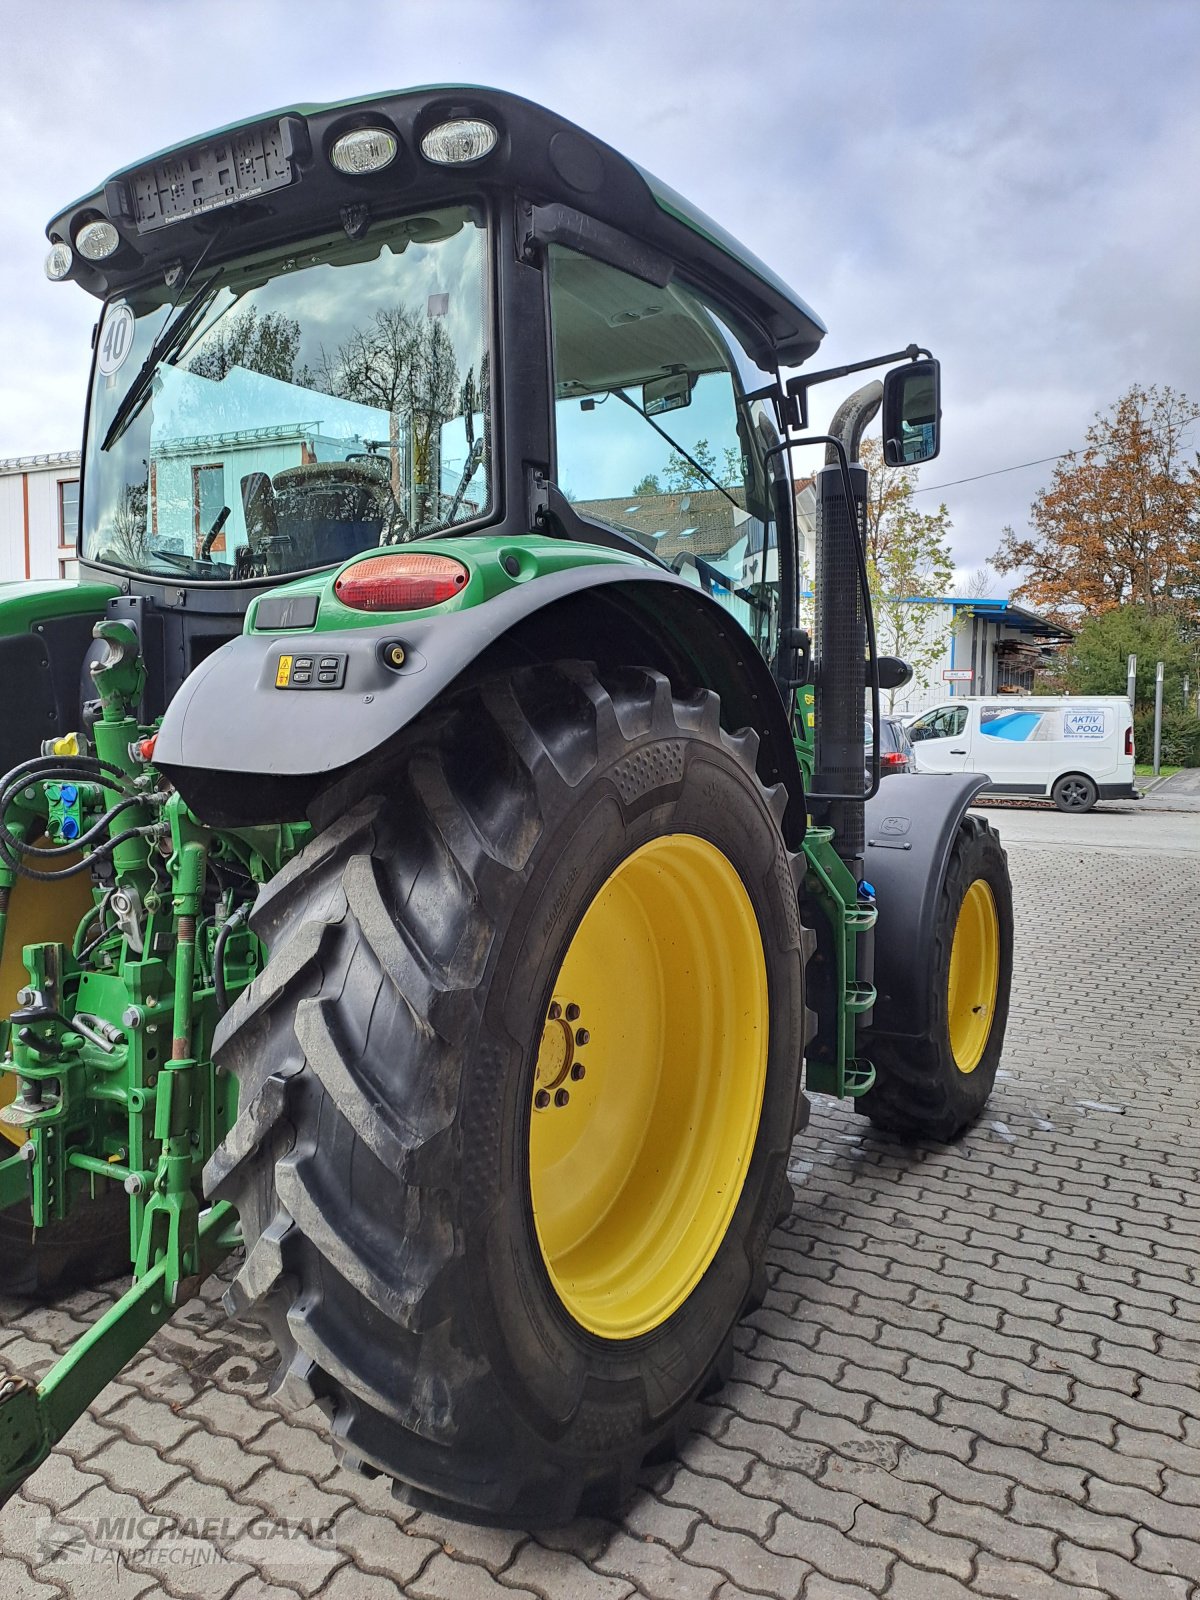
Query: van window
(1018,726)
(947,722)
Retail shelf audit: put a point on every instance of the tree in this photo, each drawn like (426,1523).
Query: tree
(682,475)
(1095,662)
(266,344)
(908,556)
(403,363)
(980,584)
(1120,522)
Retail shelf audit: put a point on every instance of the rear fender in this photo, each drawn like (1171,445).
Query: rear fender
(242,750)
(910,828)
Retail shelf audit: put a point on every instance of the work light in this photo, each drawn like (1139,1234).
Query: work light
(363,150)
(454,144)
(97,240)
(58,262)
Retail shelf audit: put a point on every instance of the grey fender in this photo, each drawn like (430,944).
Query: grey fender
(910,829)
(242,750)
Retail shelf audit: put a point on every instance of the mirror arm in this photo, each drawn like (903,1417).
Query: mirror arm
(798,387)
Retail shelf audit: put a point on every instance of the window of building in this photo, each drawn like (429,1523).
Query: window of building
(68,512)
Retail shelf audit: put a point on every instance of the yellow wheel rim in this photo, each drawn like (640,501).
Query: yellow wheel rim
(38,913)
(974,975)
(649,1086)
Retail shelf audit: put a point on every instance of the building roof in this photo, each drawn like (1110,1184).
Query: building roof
(42,463)
(1010,615)
(1006,613)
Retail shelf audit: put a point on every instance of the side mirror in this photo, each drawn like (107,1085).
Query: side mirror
(894,673)
(912,413)
(667,394)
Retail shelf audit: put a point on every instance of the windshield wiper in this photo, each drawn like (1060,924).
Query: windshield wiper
(620,394)
(173,334)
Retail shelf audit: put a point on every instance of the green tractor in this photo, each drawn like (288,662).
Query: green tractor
(436,861)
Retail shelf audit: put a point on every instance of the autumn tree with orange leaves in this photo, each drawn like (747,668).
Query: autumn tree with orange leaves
(1120,523)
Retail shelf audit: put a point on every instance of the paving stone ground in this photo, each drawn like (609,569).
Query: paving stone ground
(977,1371)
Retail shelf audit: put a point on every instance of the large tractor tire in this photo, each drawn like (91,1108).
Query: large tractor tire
(935,1084)
(516,1092)
(91,1244)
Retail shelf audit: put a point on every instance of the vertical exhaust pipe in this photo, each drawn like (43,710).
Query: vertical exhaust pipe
(840,633)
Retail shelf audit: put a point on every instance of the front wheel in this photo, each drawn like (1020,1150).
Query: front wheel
(517,1089)
(1074,792)
(934,1083)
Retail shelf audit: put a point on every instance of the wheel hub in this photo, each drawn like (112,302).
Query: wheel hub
(558,1059)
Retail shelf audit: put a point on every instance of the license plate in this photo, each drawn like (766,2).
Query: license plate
(250,162)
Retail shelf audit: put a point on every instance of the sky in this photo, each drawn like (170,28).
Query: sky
(1010,183)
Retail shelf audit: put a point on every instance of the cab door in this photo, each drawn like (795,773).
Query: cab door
(939,739)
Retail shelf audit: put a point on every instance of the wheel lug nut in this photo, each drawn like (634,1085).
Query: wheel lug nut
(572,1013)
(555,1011)
(582,1036)
(561,1097)
(578,1070)
(541,1099)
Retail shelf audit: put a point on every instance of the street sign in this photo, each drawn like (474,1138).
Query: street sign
(958,674)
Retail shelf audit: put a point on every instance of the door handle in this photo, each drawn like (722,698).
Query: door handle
(958,752)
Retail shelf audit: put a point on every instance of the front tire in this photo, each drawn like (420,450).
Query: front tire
(505,1278)
(934,1083)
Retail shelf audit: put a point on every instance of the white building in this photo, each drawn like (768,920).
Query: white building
(988,647)
(39,516)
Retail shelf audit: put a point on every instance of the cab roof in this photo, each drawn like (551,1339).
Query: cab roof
(268,180)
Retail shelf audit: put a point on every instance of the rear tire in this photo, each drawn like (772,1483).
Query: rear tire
(385,1161)
(89,1246)
(935,1084)
(1074,792)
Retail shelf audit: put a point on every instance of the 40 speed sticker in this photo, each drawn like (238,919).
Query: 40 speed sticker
(116,340)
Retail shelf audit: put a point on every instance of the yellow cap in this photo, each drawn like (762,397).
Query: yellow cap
(68,745)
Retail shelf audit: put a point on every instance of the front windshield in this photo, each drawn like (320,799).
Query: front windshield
(302,408)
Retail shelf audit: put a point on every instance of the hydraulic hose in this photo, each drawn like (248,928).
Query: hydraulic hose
(218,960)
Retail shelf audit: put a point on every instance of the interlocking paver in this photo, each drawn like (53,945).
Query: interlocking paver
(1010,1580)
(975,1373)
(1116,1577)
(444,1579)
(658,1572)
(559,1575)
(918,1544)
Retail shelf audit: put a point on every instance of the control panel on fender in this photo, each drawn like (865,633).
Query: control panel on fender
(312,671)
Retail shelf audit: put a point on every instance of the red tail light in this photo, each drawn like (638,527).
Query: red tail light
(1128,741)
(406,582)
(892,758)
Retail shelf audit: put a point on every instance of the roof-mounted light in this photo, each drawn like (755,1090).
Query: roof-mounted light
(363,150)
(59,262)
(455,144)
(408,582)
(97,240)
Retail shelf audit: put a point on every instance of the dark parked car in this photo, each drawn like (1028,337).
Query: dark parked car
(895,748)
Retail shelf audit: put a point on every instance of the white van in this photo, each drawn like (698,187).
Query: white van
(1073,748)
